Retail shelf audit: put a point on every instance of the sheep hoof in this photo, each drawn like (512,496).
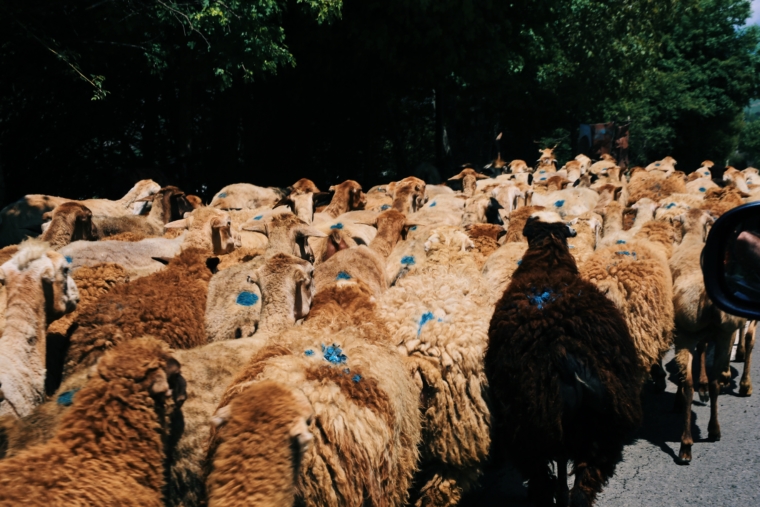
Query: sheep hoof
(659,384)
(684,455)
(704,396)
(578,499)
(713,434)
(739,357)
(745,389)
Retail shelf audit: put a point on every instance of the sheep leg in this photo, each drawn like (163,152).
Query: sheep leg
(687,395)
(658,376)
(563,493)
(588,483)
(703,379)
(745,387)
(541,483)
(740,349)
(722,351)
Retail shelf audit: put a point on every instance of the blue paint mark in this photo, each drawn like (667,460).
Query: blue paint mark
(542,179)
(702,189)
(432,204)
(309,352)
(623,252)
(570,246)
(413,228)
(343,276)
(258,217)
(407,260)
(67,398)
(657,164)
(356,378)
(540,300)
(670,205)
(346,370)
(426,317)
(247,298)
(334,354)
(559,204)
(69,259)
(221,195)
(620,242)
(519,262)
(337,226)
(385,207)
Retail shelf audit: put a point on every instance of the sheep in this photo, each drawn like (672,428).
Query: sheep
(70,221)
(109,447)
(443,328)
(607,161)
(39,290)
(365,403)
(379,198)
(588,227)
(303,199)
(485,238)
(613,221)
(365,262)
(654,186)
(468,176)
(24,217)
(737,179)
(347,196)
(720,200)
(339,235)
(697,320)
(286,233)
(704,170)
(744,353)
(263,434)
(700,186)
(287,288)
(508,195)
(169,204)
(233,307)
(667,164)
(563,372)
(499,267)
(91,282)
(570,201)
(635,276)
(408,194)
(246,196)
(752,175)
(169,304)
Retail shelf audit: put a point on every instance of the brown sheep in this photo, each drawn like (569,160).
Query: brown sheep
(169,204)
(720,200)
(109,447)
(485,237)
(261,440)
(69,222)
(348,196)
(468,176)
(169,304)
(302,199)
(563,372)
(408,194)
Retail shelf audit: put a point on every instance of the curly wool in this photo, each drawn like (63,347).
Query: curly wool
(109,448)
(169,304)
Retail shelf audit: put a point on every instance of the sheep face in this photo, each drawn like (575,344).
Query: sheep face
(70,221)
(221,235)
(408,194)
(61,293)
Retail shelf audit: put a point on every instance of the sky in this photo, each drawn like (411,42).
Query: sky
(755,17)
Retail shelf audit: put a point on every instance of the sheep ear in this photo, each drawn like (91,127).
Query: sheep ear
(147,198)
(48,274)
(309,231)
(301,434)
(2,277)
(48,215)
(177,383)
(260,227)
(221,416)
(332,188)
(481,176)
(285,201)
(321,198)
(457,177)
(177,224)
(162,260)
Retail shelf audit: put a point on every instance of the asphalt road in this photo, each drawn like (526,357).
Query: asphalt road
(721,474)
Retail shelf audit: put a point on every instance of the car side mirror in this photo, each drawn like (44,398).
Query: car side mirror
(731,262)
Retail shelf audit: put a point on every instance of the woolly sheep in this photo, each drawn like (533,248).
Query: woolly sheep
(697,320)
(24,217)
(563,372)
(70,221)
(246,196)
(233,305)
(39,290)
(408,194)
(168,204)
(109,447)
(443,328)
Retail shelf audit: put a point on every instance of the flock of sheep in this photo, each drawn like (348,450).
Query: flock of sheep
(341,348)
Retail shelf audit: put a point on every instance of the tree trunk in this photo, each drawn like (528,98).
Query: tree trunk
(2,183)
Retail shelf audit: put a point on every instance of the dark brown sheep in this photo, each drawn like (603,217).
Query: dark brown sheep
(563,372)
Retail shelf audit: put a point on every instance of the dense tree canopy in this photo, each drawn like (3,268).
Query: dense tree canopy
(95,94)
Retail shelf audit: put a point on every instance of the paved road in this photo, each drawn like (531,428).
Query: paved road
(721,474)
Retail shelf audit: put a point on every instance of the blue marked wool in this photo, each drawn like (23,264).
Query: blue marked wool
(258,217)
(334,354)
(356,378)
(413,228)
(559,204)
(337,226)
(426,317)
(670,205)
(519,262)
(385,207)
(702,189)
(407,260)
(309,352)
(247,298)
(221,195)
(69,259)
(343,276)
(620,242)
(67,398)
(432,204)
(623,252)
(540,300)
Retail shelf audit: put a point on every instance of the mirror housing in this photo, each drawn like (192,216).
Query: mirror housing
(719,271)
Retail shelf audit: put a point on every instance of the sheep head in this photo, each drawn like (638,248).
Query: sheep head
(468,176)
(408,194)
(545,224)
(70,221)
(287,288)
